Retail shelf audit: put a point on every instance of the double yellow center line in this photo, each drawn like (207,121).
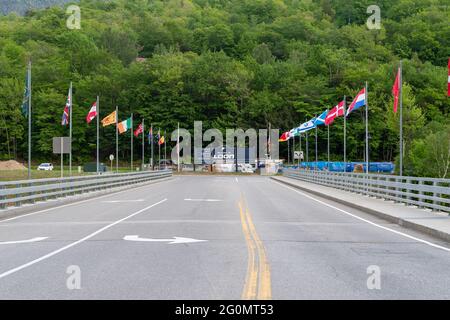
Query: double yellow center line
(258,281)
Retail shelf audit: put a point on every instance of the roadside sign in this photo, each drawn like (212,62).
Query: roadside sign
(298,155)
(111,157)
(61,144)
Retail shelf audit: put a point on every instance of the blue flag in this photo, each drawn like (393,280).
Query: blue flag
(150,136)
(311,124)
(26,95)
(320,120)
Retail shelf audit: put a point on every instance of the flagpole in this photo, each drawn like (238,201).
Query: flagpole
(29,119)
(293,150)
(159,150)
(328,145)
(300,137)
(288,152)
(61,141)
(70,130)
(117,140)
(307,147)
(401,117)
(316,148)
(97,109)
(132,133)
(345,134)
(269,142)
(367,128)
(143,143)
(151,141)
(178,148)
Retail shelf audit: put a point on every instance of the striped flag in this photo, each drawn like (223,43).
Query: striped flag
(358,102)
(65,116)
(311,124)
(92,113)
(124,125)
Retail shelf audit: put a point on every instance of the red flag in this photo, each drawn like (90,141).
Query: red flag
(337,111)
(396,90)
(92,113)
(284,137)
(448,80)
(139,130)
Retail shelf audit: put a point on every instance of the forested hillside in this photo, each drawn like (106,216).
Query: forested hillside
(232,63)
(22,6)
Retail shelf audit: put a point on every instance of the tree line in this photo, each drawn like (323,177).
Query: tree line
(231,63)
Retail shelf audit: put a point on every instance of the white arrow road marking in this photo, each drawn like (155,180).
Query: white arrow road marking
(119,201)
(24,241)
(204,200)
(70,245)
(175,240)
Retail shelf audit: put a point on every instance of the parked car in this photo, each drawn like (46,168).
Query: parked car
(45,166)
(165,164)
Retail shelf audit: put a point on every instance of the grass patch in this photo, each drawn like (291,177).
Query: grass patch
(11,175)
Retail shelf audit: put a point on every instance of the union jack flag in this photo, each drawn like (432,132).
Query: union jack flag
(65,116)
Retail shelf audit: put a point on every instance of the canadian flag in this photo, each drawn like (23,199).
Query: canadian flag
(337,111)
(92,113)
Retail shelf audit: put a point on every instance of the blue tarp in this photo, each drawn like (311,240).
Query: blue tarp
(379,167)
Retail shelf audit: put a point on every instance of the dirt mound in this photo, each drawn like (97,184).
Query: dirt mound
(11,165)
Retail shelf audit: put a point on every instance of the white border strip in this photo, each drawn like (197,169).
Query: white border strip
(365,220)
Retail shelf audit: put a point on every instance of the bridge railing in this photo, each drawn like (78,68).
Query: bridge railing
(16,193)
(415,191)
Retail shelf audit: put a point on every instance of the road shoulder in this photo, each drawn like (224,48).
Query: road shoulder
(425,221)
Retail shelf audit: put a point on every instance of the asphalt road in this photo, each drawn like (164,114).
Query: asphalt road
(263,240)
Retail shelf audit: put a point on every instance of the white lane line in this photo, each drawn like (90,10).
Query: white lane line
(51,254)
(175,240)
(79,202)
(365,220)
(203,200)
(236,179)
(24,241)
(123,201)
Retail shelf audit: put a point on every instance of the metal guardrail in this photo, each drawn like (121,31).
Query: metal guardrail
(421,192)
(16,193)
